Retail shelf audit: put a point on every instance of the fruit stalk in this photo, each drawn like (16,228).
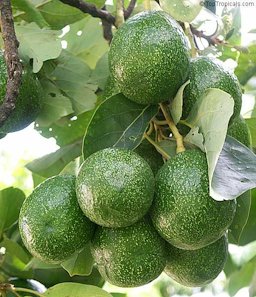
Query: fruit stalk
(119,13)
(179,139)
(158,148)
(28,291)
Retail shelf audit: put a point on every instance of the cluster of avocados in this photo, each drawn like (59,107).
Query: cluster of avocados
(142,215)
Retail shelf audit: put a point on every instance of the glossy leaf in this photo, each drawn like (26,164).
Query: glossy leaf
(211,115)
(117,122)
(38,44)
(75,290)
(81,263)
(53,163)
(11,200)
(235,172)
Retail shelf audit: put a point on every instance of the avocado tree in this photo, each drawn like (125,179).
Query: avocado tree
(155,175)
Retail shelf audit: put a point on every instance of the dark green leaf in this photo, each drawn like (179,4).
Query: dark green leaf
(101,72)
(75,290)
(117,122)
(53,163)
(229,34)
(252,127)
(235,172)
(119,294)
(241,217)
(11,200)
(81,263)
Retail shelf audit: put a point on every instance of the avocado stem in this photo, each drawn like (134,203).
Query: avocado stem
(191,40)
(119,13)
(179,139)
(28,291)
(151,128)
(147,5)
(158,148)
(160,123)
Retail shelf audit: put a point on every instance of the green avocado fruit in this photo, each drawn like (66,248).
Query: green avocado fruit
(149,57)
(207,73)
(52,225)
(151,155)
(131,256)
(197,268)
(115,187)
(240,131)
(183,212)
(28,102)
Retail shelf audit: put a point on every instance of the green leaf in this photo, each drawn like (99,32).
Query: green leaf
(72,76)
(97,3)
(53,163)
(195,137)
(182,10)
(169,146)
(85,40)
(75,290)
(119,294)
(235,172)
(211,114)
(55,105)
(252,127)
(38,44)
(81,263)
(11,200)
(241,217)
(117,122)
(58,15)
(244,254)
(177,103)
(32,14)
(101,72)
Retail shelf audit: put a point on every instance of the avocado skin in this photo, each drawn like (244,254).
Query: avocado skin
(115,187)
(149,57)
(207,73)
(183,212)
(240,131)
(131,256)
(199,267)
(28,103)
(52,226)
(150,155)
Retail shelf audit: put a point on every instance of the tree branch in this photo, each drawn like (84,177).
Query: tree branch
(14,66)
(129,10)
(211,39)
(91,9)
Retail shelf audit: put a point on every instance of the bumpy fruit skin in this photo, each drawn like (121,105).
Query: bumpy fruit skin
(149,57)
(197,268)
(28,103)
(115,187)
(240,131)
(150,154)
(131,256)
(52,225)
(207,73)
(183,212)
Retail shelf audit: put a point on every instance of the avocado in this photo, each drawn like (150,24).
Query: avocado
(199,267)
(52,226)
(131,256)
(240,131)
(115,187)
(149,57)
(183,212)
(28,103)
(207,73)
(151,155)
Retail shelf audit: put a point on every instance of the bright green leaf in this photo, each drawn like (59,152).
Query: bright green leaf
(244,254)
(177,103)
(241,217)
(182,10)
(81,263)
(211,114)
(38,44)
(117,122)
(11,200)
(252,127)
(75,290)
(53,163)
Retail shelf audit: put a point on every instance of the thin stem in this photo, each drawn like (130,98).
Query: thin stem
(29,291)
(130,8)
(119,13)
(191,40)
(160,123)
(158,148)
(151,128)
(183,122)
(147,4)
(15,293)
(179,139)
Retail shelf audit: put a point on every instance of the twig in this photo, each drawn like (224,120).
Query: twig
(91,9)
(211,39)
(173,128)
(14,66)
(158,148)
(119,13)
(129,10)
